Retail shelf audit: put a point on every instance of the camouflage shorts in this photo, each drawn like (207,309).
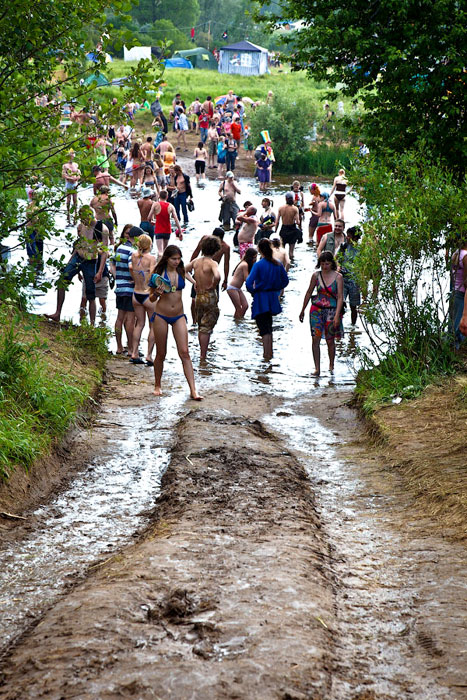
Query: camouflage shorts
(207,311)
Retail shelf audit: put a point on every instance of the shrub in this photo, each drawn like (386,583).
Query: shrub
(415,214)
(289,124)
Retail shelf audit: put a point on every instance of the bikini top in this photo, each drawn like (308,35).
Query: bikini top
(180,282)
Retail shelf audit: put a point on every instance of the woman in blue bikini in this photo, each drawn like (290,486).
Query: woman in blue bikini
(169,312)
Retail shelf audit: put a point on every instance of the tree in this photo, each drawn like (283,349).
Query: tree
(165,30)
(414,222)
(42,66)
(183,13)
(405,60)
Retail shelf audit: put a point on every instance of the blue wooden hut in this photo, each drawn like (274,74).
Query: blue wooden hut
(243,58)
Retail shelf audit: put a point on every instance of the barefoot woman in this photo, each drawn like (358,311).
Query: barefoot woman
(326,308)
(169,312)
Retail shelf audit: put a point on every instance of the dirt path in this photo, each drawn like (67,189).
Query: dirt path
(271,568)
(228,591)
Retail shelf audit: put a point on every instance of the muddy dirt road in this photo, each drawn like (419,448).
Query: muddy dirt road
(270,566)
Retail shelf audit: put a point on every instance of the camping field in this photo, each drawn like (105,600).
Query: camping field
(200,83)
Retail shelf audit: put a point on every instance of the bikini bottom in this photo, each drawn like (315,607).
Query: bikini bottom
(140,298)
(171,320)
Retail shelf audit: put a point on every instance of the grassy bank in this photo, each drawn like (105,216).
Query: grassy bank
(398,376)
(47,375)
(423,441)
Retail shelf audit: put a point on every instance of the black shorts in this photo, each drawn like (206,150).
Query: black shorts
(264,323)
(290,234)
(124,303)
(200,167)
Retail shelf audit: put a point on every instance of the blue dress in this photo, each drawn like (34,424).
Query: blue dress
(265,282)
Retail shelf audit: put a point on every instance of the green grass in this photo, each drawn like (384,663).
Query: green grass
(200,83)
(43,385)
(403,376)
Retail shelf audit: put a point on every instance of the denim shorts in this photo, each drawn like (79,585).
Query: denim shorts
(87,267)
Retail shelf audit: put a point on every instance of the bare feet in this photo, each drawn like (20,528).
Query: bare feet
(157,391)
(53,317)
(316,373)
(196,397)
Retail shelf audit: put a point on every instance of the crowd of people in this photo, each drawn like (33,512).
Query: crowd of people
(148,269)
(150,275)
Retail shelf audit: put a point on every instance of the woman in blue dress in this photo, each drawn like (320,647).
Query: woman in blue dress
(265,282)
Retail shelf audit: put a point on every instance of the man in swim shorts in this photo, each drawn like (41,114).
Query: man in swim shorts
(72,175)
(289,216)
(145,205)
(246,235)
(207,276)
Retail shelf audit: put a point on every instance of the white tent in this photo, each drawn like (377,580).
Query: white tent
(137,52)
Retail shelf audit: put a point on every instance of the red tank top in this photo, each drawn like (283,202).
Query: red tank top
(163,219)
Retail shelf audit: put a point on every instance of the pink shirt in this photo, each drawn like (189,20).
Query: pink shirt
(459,273)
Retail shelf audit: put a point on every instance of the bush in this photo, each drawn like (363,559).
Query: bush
(289,124)
(415,216)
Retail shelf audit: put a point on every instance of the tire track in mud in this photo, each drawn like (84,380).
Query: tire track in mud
(226,597)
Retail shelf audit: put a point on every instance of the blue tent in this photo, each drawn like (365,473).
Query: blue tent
(177,62)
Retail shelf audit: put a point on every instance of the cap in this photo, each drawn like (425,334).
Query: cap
(147,192)
(229,173)
(135,231)
(289,196)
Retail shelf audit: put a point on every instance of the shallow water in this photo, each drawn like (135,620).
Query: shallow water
(99,510)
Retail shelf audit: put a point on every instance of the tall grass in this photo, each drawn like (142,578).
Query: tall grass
(323,160)
(39,400)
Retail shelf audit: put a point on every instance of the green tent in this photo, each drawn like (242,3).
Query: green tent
(199,57)
(96,78)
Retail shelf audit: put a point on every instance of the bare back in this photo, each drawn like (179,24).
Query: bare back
(289,214)
(239,275)
(206,272)
(141,269)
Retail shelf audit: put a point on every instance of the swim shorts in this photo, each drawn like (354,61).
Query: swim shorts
(124,302)
(243,247)
(321,230)
(290,234)
(206,311)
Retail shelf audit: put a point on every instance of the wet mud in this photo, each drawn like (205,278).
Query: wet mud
(277,560)
(228,594)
